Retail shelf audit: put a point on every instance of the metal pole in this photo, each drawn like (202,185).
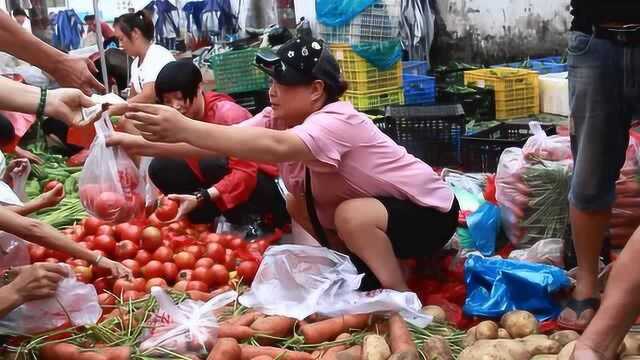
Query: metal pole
(103,62)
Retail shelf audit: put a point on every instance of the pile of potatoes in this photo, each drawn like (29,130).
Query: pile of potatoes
(516,339)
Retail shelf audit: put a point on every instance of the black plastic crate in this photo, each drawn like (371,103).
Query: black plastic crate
(430,133)
(478,103)
(254,101)
(481,151)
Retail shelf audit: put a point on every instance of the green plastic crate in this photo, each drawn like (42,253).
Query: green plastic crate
(234,71)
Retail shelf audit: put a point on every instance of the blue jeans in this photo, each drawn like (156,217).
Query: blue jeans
(604,95)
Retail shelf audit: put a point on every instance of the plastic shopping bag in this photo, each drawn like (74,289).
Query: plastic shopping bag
(497,286)
(110,185)
(298,280)
(484,226)
(549,251)
(74,304)
(542,146)
(13,251)
(190,326)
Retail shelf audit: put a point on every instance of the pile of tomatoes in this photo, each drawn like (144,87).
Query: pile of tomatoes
(179,255)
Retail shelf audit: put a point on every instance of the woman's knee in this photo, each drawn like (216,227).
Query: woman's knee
(356,216)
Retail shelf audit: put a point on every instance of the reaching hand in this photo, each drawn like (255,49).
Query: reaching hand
(187,204)
(37,281)
(158,123)
(132,144)
(117,269)
(52,197)
(76,72)
(66,105)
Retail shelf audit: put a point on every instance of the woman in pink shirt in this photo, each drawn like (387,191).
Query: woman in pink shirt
(353,188)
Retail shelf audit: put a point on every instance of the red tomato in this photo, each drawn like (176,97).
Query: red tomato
(203,274)
(197,285)
(122,285)
(219,275)
(202,238)
(51,185)
(83,273)
(128,231)
(108,204)
(156,282)
(153,269)
(170,271)
(133,266)
(132,295)
(247,271)
(204,262)
(91,225)
(105,230)
(182,241)
(253,247)
(151,238)
(139,284)
(230,260)
(181,285)
(168,210)
(78,233)
(185,275)
(126,249)
(196,250)
(216,252)
(184,260)
(102,284)
(105,243)
(263,245)
(213,238)
(163,254)
(236,243)
(37,253)
(143,257)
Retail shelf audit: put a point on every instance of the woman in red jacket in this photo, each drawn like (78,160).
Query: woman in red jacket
(237,189)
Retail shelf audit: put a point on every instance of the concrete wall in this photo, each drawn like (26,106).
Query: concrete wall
(491,31)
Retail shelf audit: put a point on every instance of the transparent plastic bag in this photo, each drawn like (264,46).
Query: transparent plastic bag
(548,251)
(297,281)
(74,304)
(110,185)
(542,146)
(190,326)
(13,251)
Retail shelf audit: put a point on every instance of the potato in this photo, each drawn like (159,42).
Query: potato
(436,311)
(564,337)
(632,344)
(495,350)
(487,330)
(375,347)
(519,323)
(437,348)
(545,357)
(567,351)
(470,338)
(503,334)
(352,353)
(540,345)
(405,355)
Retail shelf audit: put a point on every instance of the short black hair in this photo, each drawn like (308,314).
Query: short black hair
(19,11)
(181,76)
(89,18)
(7,131)
(139,20)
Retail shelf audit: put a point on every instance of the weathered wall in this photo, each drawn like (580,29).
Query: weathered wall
(491,31)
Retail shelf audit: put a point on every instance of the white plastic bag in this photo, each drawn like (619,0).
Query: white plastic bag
(187,327)
(13,251)
(298,280)
(542,146)
(75,303)
(110,184)
(548,251)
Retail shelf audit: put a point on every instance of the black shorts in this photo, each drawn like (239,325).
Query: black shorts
(415,232)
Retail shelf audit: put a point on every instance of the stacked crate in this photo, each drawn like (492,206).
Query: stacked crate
(234,72)
(419,89)
(369,87)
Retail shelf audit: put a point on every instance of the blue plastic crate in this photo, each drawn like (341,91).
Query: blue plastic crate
(542,67)
(415,67)
(553,59)
(419,89)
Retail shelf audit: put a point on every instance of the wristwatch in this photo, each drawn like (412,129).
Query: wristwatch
(202,196)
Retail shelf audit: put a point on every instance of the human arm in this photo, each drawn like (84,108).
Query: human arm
(49,199)
(67,70)
(136,145)
(26,154)
(42,234)
(163,124)
(146,96)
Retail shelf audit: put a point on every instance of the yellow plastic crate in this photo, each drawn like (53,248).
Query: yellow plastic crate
(363,76)
(517,91)
(375,99)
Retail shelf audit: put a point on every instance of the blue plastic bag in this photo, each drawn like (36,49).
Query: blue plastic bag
(383,55)
(484,226)
(497,286)
(339,12)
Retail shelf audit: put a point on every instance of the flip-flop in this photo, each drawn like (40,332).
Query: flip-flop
(578,307)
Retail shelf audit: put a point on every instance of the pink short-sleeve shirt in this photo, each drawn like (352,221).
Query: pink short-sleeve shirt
(354,159)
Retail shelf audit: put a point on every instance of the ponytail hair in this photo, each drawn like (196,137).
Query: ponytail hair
(139,20)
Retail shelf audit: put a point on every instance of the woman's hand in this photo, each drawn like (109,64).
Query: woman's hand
(52,197)
(158,123)
(66,105)
(187,204)
(76,72)
(28,155)
(132,144)
(37,281)
(117,269)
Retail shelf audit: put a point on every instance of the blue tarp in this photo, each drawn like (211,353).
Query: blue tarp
(193,11)
(227,20)
(68,30)
(339,12)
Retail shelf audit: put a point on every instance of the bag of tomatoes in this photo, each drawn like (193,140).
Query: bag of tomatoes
(111,188)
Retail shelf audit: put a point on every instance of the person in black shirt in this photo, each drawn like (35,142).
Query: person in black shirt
(604,95)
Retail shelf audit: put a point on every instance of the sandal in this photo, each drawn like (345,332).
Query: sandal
(578,307)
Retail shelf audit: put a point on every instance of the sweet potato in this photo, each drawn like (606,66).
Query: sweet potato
(470,338)
(352,353)
(330,353)
(406,355)
(399,336)
(545,357)
(436,311)
(237,332)
(519,323)
(487,330)
(249,352)
(375,347)
(59,351)
(277,326)
(437,348)
(564,337)
(225,349)
(326,330)
(495,350)
(245,319)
